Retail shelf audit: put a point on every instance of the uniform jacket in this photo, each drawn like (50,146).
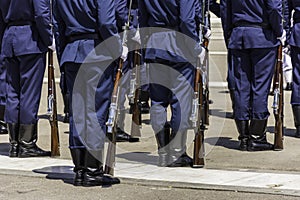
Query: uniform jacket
(255,12)
(73,17)
(27,39)
(175,15)
(294,39)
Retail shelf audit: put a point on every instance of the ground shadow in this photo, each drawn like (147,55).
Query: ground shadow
(221,113)
(289,132)
(64,173)
(4,148)
(139,157)
(226,142)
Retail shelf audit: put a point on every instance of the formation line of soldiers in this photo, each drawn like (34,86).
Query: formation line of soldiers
(88,43)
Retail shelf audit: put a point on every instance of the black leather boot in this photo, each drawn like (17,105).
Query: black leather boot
(78,157)
(122,136)
(296,112)
(66,108)
(145,108)
(288,86)
(231,92)
(94,175)
(13,130)
(3,126)
(27,142)
(178,156)
(258,139)
(162,139)
(243,129)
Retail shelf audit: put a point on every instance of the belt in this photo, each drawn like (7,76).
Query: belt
(83,36)
(19,23)
(255,25)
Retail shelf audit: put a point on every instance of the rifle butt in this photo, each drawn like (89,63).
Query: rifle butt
(55,147)
(278,137)
(110,159)
(198,156)
(135,130)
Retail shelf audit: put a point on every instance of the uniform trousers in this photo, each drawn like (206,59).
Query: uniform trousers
(91,102)
(170,84)
(24,78)
(253,72)
(295,55)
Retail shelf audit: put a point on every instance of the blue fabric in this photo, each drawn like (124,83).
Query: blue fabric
(253,72)
(293,35)
(27,39)
(295,55)
(254,12)
(73,17)
(175,15)
(175,91)
(24,85)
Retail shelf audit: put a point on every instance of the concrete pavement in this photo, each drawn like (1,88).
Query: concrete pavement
(226,169)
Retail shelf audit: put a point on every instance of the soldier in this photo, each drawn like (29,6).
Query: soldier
(253,42)
(3,127)
(79,27)
(176,16)
(26,34)
(121,17)
(293,41)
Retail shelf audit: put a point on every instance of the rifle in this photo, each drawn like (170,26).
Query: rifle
(278,102)
(197,119)
(52,107)
(136,106)
(200,104)
(113,108)
(205,67)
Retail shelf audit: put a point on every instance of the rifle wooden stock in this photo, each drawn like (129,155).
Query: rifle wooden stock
(278,102)
(136,107)
(111,150)
(52,107)
(199,151)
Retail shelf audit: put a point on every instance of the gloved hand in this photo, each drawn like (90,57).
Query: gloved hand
(137,37)
(202,55)
(53,46)
(282,38)
(287,49)
(207,33)
(124,53)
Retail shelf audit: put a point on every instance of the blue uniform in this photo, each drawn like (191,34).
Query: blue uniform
(293,28)
(2,82)
(76,39)
(87,43)
(25,29)
(171,58)
(294,42)
(26,34)
(252,31)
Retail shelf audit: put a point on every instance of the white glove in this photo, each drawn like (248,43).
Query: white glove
(137,37)
(282,38)
(287,50)
(207,34)
(124,53)
(53,46)
(202,55)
